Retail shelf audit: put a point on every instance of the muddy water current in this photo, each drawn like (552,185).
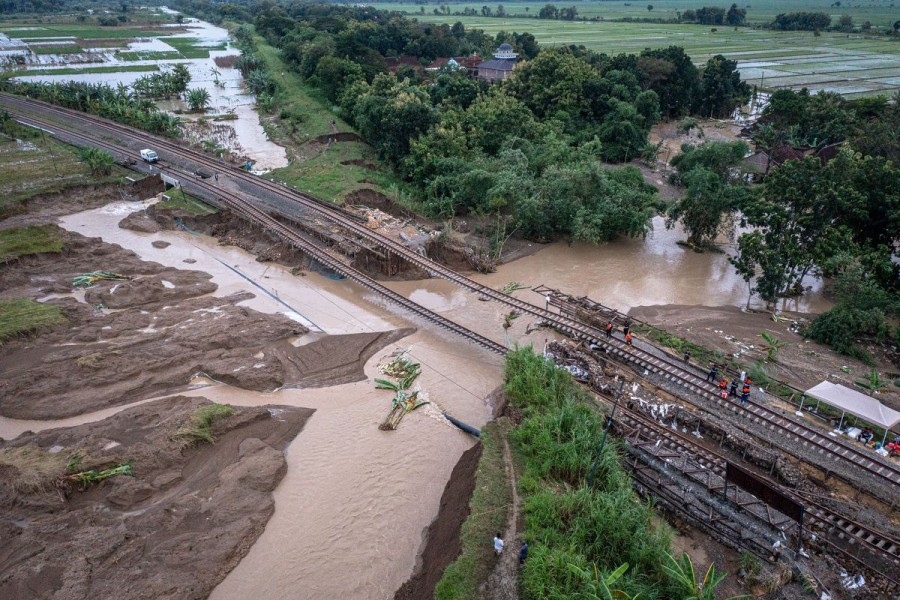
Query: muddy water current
(351,510)
(633,272)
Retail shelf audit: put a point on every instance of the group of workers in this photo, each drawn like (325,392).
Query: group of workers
(725,390)
(626,331)
(866,435)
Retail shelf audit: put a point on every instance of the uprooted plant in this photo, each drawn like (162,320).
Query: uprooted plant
(86,478)
(200,427)
(404,401)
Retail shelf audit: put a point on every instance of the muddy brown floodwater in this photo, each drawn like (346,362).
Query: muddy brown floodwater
(352,509)
(640,272)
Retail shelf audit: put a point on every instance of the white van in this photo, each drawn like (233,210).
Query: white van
(149,155)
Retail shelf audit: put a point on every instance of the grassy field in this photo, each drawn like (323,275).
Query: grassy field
(23,241)
(22,316)
(852,65)
(301,115)
(31,164)
(182,201)
(84,71)
(28,31)
(881,13)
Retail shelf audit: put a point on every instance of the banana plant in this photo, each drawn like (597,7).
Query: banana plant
(873,382)
(772,346)
(682,575)
(599,586)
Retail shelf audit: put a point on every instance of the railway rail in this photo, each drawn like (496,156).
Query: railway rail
(263,219)
(795,431)
(807,436)
(853,532)
(870,548)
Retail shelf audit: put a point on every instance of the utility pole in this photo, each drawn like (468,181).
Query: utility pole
(609,421)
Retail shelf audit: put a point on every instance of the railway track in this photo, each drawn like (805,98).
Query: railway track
(872,549)
(263,219)
(851,531)
(809,439)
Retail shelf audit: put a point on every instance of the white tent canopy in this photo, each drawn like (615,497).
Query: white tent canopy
(850,401)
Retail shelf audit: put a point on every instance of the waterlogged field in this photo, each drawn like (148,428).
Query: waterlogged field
(850,64)
(881,13)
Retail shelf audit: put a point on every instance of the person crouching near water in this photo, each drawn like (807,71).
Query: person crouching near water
(498,544)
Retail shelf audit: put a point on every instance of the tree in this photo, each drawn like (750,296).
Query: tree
(549,11)
(721,88)
(670,73)
(845,23)
(735,16)
(792,232)
(554,82)
(333,74)
(649,7)
(707,200)
(182,77)
(100,161)
(197,99)
(391,115)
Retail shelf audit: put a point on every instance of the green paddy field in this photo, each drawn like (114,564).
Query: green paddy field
(854,64)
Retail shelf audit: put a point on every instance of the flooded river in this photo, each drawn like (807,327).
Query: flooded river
(352,508)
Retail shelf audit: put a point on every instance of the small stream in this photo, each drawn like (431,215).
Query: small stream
(244,134)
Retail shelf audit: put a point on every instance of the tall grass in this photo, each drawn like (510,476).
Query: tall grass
(570,528)
(35,239)
(21,316)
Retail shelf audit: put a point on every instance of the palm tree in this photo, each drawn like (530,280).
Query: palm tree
(197,99)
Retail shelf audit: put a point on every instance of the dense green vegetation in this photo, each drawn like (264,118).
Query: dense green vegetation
(22,316)
(579,535)
(829,207)
(118,104)
(527,151)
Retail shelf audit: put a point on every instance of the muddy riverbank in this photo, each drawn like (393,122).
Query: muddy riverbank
(354,499)
(149,335)
(172,529)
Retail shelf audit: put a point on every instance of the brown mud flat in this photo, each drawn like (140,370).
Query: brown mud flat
(173,530)
(43,208)
(163,328)
(802,364)
(442,543)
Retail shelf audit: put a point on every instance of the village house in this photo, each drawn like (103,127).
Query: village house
(499,67)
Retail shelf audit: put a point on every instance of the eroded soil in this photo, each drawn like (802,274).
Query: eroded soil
(803,363)
(148,336)
(185,518)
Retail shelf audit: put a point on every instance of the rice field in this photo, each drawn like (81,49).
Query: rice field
(853,65)
(881,13)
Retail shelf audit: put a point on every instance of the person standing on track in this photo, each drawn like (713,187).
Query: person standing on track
(733,391)
(745,394)
(711,376)
(628,338)
(609,329)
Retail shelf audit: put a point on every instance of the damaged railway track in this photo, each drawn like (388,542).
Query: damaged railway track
(688,478)
(112,137)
